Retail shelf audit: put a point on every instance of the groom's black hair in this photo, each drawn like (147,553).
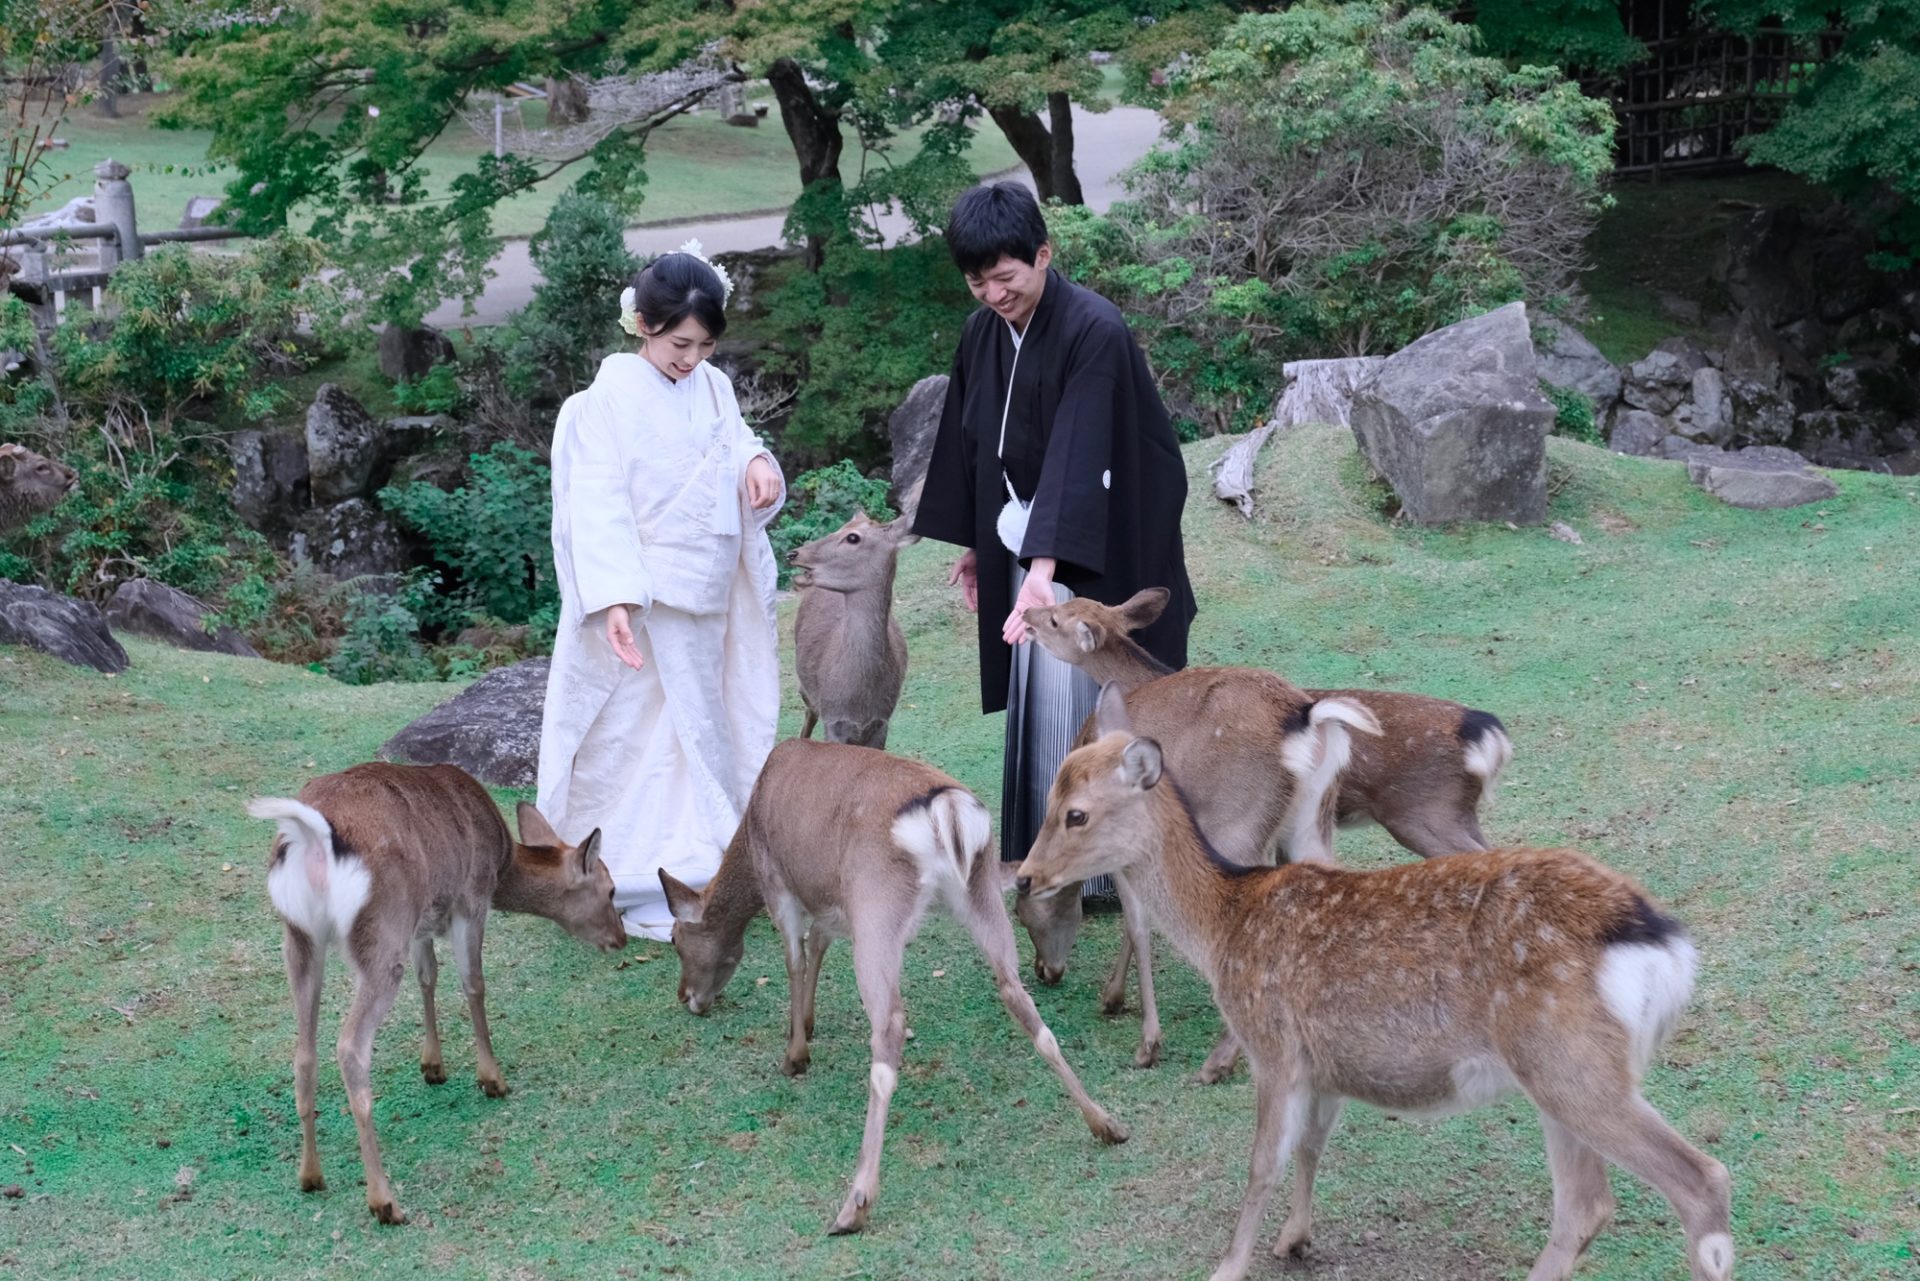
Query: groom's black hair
(998,221)
(675,286)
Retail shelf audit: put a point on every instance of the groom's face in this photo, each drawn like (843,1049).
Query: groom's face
(1012,288)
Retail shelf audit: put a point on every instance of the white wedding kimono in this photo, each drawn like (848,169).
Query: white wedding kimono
(650,511)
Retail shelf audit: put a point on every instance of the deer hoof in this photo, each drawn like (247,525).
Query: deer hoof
(1292,1242)
(1210,1075)
(1111,1005)
(796,1065)
(315,1182)
(435,1073)
(1147,1055)
(853,1215)
(494,1088)
(1109,1130)
(388,1211)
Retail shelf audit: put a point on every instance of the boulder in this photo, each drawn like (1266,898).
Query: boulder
(1661,381)
(74,631)
(1850,438)
(413,433)
(911,429)
(270,483)
(1762,415)
(164,613)
(1456,422)
(408,353)
(1761,477)
(353,539)
(1871,386)
(345,446)
(1712,417)
(1567,359)
(1788,264)
(1678,447)
(199,209)
(1637,432)
(491,729)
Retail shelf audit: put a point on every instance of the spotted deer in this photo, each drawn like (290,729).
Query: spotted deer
(847,842)
(378,861)
(1422,777)
(1422,989)
(849,652)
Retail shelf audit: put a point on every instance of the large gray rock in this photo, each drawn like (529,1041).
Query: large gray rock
(911,429)
(1567,359)
(409,353)
(1762,415)
(164,613)
(1761,477)
(74,631)
(1712,408)
(351,540)
(1787,263)
(1849,438)
(1456,423)
(1662,380)
(1637,432)
(345,446)
(1871,386)
(270,484)
(491,729)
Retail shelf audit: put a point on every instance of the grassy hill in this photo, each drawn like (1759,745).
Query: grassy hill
(1722,703)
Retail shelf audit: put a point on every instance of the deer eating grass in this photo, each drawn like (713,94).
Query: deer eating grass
(1429,988)
(847,842)
(379,860)
(849,653)
(1422,777)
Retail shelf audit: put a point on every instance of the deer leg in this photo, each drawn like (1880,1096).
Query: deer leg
(1639,1140)
(1582,1202)
(1140,942)
(799,1000)
(987,921)
(808,722)
(1323,1113)
(818,941)
(1113,993)
(876,968)
(375,986)
(1280,1111)
(1220,1060)
(306,967)
(466,937)
(426,968)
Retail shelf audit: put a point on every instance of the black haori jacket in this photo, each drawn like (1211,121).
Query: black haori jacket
(1087,442)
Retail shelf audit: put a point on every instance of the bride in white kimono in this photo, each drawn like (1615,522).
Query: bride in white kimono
(664,689)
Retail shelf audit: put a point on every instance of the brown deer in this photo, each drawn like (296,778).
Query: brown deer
(30,484)
(1425,988)
(847,842)
(380,860)
(1422,777)
(849,652)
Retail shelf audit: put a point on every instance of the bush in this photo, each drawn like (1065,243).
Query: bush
(437,391)
(26,397)
(382,642)
(494,535)
(554,346)
(821,501)
(1573,414)
(1352,177)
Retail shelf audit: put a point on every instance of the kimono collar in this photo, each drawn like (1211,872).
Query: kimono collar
(1044,310)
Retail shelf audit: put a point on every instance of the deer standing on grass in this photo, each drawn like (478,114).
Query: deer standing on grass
(1425,988)
(849,652)
(380,860)
(1422,777)
(846,842)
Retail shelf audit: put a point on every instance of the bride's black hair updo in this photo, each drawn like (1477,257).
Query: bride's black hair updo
(675,286)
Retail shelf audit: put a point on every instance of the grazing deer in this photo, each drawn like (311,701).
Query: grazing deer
(849,652)
(380,860)
(842,841)
(1425,988)
(30,484)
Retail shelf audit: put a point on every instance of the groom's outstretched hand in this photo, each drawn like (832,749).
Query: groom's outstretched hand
(966,576)
(1036,592)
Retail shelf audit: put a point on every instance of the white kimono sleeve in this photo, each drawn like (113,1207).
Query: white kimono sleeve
(746,447)
(603,543)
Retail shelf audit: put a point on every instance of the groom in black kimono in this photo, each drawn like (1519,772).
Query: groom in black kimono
(1053,439)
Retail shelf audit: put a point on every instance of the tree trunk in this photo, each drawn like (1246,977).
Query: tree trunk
(112,70)
(566,101)
(1031,142)
(1066,183)
(815,134)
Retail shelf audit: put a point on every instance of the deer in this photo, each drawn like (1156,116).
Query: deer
(378,861)
(849,652)
(1422,777)
(1424,988)
(841,841)
(30,484)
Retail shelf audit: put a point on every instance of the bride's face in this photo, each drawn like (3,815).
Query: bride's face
(676,352)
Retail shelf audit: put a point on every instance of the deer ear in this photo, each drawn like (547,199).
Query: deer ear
(1145,606)
(7,462)
(590,851)
(686,904)
(902,529)
(534,828)
(1110,716)
(1086,637)
(1141,764)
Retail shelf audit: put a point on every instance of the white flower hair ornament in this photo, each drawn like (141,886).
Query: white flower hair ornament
(630,322)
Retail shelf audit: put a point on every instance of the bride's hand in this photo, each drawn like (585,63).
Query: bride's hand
(763,484)
(620,636)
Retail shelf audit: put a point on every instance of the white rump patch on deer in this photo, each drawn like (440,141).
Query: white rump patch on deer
(314,891)
(944,836)
(1487,757)
(1646,985)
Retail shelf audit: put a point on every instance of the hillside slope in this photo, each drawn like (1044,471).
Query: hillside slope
(1722,703)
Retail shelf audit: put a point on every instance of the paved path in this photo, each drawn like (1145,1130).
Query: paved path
(1104,144)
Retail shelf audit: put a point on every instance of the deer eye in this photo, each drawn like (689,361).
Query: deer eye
(1076,818)
(853,538)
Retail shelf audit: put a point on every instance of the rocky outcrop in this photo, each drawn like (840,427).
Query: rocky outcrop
(911,428)
(270,484)
(408,353)
(159,612)
(1567,359)
(1759,477)
(346,446)
(350,540)
(74,631)
(491,729)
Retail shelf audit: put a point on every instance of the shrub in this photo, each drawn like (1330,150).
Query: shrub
(821,501)
(555,345)
(437,391)
(382,642)
(493,534)
(1573,414)
(26,397)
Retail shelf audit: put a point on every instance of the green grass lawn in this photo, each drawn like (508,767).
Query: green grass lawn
(697,166)
(1722,703)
